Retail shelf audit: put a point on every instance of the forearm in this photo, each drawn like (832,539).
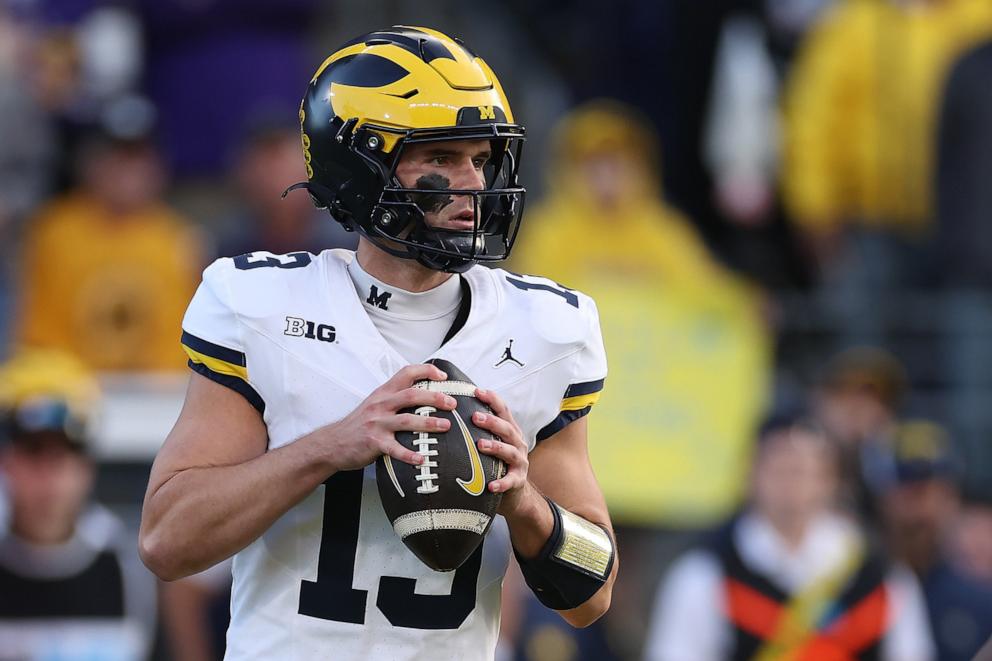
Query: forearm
(202,515)
(596,606)
(530,522)
(531,525)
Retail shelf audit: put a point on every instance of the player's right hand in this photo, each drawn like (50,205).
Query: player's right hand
(369,431)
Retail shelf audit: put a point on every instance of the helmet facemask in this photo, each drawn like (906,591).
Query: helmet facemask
(398,221)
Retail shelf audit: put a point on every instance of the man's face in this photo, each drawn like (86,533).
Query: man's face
(613,178)
(794,476)
(853,416)
(268,167)
(917,512)
(456,164)
(48,482)
(126,178)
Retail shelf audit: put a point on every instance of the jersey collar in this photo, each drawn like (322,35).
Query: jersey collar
(378,298)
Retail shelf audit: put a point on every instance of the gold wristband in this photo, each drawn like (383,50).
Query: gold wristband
(584,545)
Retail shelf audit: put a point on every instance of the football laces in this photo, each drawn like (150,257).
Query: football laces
(424,441)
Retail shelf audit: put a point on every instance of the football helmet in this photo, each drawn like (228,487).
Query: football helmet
(384,91)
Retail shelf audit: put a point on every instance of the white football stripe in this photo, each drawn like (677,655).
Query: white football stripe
(392,474)
(454,388)
(415,522)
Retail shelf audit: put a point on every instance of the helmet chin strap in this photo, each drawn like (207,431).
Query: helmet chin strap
(448,240)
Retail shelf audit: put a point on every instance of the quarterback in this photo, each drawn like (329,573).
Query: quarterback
(302,365)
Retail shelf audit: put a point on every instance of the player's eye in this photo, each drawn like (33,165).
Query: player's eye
(480,163)
(440,161)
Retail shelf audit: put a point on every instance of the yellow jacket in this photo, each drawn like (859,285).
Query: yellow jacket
(111,291)
(688,351)
(861,110)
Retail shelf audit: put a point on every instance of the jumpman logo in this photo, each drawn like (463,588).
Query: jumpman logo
(508,356)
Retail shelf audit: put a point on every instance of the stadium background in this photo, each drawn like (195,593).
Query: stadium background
(775,203)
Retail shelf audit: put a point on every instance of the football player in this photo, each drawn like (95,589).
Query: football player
(302,364)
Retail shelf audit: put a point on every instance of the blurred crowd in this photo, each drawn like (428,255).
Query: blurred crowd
(781,207)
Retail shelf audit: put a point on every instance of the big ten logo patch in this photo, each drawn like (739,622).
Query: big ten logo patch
(297,327)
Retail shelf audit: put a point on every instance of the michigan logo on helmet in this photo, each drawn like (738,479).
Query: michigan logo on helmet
(379,94)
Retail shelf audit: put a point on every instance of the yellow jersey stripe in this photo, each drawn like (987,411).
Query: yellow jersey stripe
(216,364)
(580,401)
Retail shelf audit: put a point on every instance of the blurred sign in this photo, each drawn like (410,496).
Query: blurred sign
(136,415)
(670,439)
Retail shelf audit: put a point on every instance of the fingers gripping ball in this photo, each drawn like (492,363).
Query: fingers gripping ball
(442,508)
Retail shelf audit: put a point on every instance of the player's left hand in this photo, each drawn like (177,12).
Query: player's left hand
(512,450)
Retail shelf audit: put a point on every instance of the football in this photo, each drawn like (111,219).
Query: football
(442,508)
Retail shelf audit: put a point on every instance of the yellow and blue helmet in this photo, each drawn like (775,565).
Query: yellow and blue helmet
(386,90)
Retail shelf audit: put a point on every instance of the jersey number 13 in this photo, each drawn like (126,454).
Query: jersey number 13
(332,597)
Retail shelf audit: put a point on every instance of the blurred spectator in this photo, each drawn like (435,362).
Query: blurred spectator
(85,54)
(919,504)
(857,403)
(71,586)
(861,115)
(109,268)
(860,393)
(689,389)
(742,127)
(678,42)
(789,578)
(741,141)
(270,161)
(691,394)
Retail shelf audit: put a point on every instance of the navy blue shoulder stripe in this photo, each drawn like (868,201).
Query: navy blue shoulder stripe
(564,419)
(586,388)
(565,293)
(232,382)
(214,350)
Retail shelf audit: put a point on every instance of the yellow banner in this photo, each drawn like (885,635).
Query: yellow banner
(688,374)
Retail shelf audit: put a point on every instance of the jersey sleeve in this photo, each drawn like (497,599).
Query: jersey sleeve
(212,337)
(588,375)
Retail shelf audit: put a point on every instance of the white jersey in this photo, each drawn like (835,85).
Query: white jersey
(330,578)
